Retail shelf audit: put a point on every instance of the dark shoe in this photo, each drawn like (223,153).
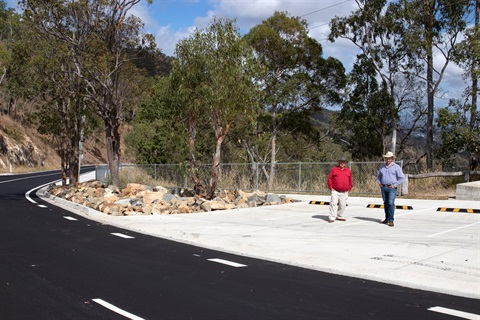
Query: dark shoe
(330,221)
(385,221)
(390,223)
(341,219)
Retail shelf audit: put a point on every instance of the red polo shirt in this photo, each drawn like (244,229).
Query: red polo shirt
(340,179)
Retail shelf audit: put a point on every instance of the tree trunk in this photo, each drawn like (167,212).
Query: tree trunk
(473,110)
(273,162)
(73,174)
(475,65)
(112,140)
(430,86)
(198,186)
(273,159)
(216,163)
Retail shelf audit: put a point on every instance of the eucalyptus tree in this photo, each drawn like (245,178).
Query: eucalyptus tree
(8,26)
(430,31)
(365,117)
(467,55)
(297,81)
(376,32)
(97,35)
(213,74)
(14,69)
(62,111)
(457,135)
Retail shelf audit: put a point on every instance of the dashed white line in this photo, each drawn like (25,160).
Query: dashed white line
(70,218)
(117,309)
(121,235)
(455,313)
(230,263)
(42,206)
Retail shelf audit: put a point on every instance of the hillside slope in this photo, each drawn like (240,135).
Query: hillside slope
(23,149)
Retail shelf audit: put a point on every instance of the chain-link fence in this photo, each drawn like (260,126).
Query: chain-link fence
(299,177)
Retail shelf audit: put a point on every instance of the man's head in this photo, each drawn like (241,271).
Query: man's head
(388,157)
(342,161)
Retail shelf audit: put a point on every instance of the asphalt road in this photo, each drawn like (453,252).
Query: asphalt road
(57,265)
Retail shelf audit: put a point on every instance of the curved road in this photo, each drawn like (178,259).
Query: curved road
(56,265)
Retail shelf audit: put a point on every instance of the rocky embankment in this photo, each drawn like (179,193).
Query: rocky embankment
(138,199)
(26,153)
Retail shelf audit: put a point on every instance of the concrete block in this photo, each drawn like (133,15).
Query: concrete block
(468,191)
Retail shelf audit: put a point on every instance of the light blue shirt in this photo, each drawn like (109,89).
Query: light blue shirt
(390,175)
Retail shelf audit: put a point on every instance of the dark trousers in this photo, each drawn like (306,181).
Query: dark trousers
(388,195)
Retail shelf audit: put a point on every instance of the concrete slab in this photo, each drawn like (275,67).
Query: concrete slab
(427,249)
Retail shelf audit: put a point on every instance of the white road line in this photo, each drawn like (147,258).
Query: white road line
(27,194)
(117,309)
(230,263)
(70,218)
(456,313)
(42,206)
(415,211)
(289,216)
(121,235)
(436,234)
(29,177)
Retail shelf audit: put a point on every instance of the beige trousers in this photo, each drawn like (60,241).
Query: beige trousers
(338,202)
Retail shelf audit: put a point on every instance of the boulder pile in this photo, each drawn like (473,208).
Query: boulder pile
(139,199)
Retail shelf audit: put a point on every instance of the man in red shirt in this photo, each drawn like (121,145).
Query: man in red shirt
(340,183)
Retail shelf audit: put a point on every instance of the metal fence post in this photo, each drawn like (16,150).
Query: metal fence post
(155,174)
(256,175)
(299,176)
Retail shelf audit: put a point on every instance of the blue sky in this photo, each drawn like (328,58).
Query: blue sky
(172,20)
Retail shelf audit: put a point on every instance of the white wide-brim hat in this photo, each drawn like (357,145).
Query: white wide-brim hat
(389,154)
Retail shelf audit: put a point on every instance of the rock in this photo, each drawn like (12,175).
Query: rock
(132,189)
(272,198)
(205,206)
(152,196)
(184,208)
(217,205)
(168,198)
(121,202)
(160,189)
(137,199)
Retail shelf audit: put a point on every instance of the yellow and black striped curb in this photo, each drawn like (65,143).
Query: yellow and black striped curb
(320,202)
(396,207)
(458,210)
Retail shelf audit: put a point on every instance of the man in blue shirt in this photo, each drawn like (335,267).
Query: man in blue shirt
(389,176)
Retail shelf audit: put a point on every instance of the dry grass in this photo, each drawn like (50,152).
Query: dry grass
(435,188)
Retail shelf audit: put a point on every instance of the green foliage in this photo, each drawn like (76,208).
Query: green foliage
(297,82)
(157,136)
(153,61)
(468,51)
(366,117)
(213,77)
(456,133)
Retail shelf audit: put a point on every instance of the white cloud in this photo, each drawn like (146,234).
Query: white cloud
(168,39)
(249,13)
